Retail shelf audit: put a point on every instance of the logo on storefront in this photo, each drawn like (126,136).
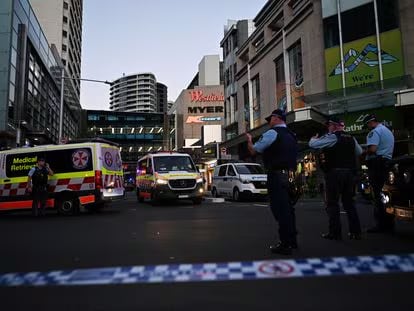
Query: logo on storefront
(362,57)
(198,96)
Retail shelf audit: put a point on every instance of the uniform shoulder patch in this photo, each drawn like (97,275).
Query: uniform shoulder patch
(370,134)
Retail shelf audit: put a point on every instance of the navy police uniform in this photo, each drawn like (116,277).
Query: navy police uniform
(278,147)
(381,137)
(340,151)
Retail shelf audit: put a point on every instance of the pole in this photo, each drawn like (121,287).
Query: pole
(341,45)
(378,44)
(18,134)
(62,97)
(287,73)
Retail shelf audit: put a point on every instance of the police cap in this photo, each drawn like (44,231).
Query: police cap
(277,113)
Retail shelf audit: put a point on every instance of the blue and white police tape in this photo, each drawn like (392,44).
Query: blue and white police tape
(249,270)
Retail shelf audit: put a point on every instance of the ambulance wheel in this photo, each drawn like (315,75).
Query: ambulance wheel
(68,206)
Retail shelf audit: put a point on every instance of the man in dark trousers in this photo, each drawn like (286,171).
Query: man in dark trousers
(278,147)
(341,151)
(380,148)
(37,185)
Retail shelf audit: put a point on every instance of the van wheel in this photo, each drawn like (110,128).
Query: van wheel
(68,206)
(214,192)
(197,201)
(236,195)
(139,198)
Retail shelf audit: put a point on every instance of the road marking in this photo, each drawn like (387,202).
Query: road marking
(261,205)
(228,271)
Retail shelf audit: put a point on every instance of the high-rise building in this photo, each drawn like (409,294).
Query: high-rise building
(134,93)
(61,21)
(162,97)
(30,84)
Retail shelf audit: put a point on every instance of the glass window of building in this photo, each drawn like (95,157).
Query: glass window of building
(256,100)
(295,64)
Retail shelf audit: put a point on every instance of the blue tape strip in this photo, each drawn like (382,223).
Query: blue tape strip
(249,270)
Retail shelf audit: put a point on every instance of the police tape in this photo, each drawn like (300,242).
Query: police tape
(230,271)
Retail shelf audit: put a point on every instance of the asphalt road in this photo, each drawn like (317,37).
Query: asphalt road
(131,234)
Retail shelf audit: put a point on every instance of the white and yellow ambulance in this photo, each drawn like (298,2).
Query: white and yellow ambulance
(85,173)
(168,176)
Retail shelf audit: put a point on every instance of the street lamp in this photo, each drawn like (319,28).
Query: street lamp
(19,131)
(62,96)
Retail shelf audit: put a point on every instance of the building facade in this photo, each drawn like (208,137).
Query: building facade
(300,58)
(136,133)
(30,71)
(235,34)
(134,93)
(61,21)
(201,104)
(162,98)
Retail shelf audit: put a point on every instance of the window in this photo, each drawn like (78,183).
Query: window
(295,64)
(230,171)
(259,42)
(65,33)
(65,19)
(280,83)
(64,47)
(246,106)
(256,100)
(65,5)
(222,171)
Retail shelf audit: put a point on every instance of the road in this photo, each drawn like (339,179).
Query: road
(129,234)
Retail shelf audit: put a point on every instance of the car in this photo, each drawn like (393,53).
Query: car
(239,181)
(398,191)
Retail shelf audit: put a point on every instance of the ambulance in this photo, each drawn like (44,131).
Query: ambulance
(86,174)
(168,176)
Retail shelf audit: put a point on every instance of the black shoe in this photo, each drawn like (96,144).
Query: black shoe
(354,236)
(331,236)
(281,248)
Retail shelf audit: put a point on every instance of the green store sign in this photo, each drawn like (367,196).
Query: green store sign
(361,61)
(389,116)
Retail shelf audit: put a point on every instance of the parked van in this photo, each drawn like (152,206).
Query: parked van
(168,176)
(239,180)
(85,173)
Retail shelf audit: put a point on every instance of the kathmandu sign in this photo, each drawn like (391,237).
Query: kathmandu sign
(198,96)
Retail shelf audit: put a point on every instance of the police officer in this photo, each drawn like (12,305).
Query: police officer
(37,185)
(380,147)
(278,147)
(341,151)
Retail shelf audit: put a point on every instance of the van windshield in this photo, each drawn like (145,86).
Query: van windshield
(249,169)
(167,164)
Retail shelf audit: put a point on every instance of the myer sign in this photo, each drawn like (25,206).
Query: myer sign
(389,116)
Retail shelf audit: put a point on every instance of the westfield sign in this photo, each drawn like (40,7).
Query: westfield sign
(198,96)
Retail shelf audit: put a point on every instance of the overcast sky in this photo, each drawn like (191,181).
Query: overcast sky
(165,37)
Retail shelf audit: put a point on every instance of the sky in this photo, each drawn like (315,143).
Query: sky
(165,37)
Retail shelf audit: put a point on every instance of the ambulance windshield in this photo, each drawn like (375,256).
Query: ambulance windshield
(174,163)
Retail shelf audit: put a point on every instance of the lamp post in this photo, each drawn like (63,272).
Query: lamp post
(19,131)
(62,97)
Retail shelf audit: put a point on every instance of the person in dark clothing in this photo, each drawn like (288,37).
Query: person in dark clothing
(37,185)
(278,147)
(341,151)
(380,142)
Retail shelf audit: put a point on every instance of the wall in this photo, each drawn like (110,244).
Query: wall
(5,43)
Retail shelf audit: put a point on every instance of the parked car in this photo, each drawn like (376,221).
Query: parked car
(398,191)
(239,181)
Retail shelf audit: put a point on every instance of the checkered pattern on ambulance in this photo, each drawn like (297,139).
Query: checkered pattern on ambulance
(54,185)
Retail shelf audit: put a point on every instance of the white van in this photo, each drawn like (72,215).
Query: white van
(239,181)
(168,176)
(85,173)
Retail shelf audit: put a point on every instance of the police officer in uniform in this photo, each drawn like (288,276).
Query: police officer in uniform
(278,147)
(380,147)
(37,185)
(341,151)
